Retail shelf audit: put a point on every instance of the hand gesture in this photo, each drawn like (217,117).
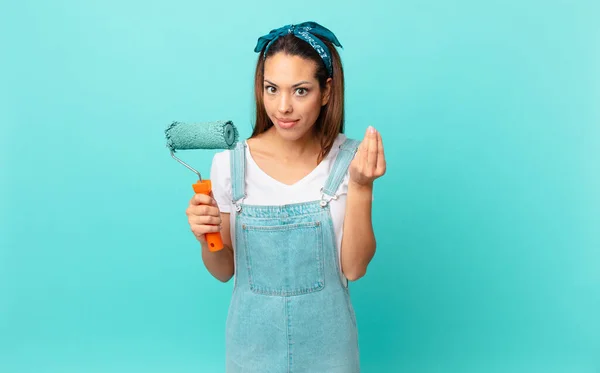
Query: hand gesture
(369,162)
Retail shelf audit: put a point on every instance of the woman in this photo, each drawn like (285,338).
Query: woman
(293,205)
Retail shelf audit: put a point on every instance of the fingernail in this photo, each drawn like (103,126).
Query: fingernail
(372,129)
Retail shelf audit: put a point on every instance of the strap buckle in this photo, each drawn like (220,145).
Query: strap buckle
(325,198)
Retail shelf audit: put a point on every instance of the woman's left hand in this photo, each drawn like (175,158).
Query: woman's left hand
(369,162)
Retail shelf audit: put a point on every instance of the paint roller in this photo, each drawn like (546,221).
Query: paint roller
(202,135)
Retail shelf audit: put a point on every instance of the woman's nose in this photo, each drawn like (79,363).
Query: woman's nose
(285,104)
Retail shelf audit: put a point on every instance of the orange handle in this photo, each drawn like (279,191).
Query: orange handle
(215,243)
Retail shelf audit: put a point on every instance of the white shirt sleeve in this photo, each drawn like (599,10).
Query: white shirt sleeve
(343,189)
(220,177)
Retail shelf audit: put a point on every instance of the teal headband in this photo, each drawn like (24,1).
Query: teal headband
(306,31)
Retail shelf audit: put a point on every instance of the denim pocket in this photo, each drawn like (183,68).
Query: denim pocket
(285,259)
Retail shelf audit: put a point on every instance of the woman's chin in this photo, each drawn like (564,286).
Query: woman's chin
(290,134)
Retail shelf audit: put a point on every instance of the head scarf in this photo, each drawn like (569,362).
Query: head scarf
(306,31)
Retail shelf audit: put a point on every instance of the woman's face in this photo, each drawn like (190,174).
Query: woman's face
(292,96)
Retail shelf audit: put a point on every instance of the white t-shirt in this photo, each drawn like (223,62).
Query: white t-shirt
(261,189)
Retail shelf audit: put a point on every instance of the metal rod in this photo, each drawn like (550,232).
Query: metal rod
(186,165)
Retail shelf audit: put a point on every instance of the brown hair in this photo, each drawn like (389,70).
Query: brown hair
(330,122)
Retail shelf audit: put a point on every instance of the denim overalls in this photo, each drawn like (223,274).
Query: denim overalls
(290,311)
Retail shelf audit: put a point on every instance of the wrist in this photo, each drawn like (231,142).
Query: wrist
(360,188)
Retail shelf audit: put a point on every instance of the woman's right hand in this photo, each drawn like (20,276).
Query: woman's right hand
(203,216)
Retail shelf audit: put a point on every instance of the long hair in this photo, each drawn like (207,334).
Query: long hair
(330,122)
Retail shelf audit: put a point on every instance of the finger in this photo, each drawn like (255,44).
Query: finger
(372,149)
(204,210)
(361,155)
(200,230)
(212,228)
(381,164)
(201,199)
(205,220)
(363,147)
(363,150)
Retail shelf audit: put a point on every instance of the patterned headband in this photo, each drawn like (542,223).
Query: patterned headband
(306,31)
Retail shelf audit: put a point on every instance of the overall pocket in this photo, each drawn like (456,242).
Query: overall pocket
(285,259)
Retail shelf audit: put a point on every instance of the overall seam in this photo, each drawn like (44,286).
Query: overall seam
(289,333)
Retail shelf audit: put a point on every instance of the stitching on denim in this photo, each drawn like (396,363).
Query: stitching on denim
(238,172)
(248,260)
(304,208)
(289,333)
(236,256)
(281,293)
(278,218)
(317,286)
(347,152)
(278,228)
(307,204)
(336,258)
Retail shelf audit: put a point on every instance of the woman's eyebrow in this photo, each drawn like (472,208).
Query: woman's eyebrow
(294,86)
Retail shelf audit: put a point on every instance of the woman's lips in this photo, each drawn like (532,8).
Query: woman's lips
(286,123)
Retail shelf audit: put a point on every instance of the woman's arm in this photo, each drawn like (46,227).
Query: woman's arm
(358,239)
(204,217)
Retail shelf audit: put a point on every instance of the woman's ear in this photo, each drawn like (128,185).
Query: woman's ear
(326,92)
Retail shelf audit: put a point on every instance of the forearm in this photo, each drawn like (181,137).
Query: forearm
(358,239)
(219,263)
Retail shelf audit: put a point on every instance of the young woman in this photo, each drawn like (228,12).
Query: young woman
(293,205)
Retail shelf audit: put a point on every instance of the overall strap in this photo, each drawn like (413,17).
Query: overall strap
(345,156)
(237,158)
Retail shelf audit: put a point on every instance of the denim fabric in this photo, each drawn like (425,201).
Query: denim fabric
(290,312)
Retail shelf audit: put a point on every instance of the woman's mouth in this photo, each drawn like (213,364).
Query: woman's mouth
(286,123)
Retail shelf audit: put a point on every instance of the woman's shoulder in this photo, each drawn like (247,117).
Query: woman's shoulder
(337,142)
(343,138)
(340,139)
(221,158)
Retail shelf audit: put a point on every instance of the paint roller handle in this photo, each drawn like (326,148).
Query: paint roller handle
(215,243)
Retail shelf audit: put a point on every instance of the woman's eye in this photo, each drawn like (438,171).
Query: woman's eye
(270,89)
(302,91)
